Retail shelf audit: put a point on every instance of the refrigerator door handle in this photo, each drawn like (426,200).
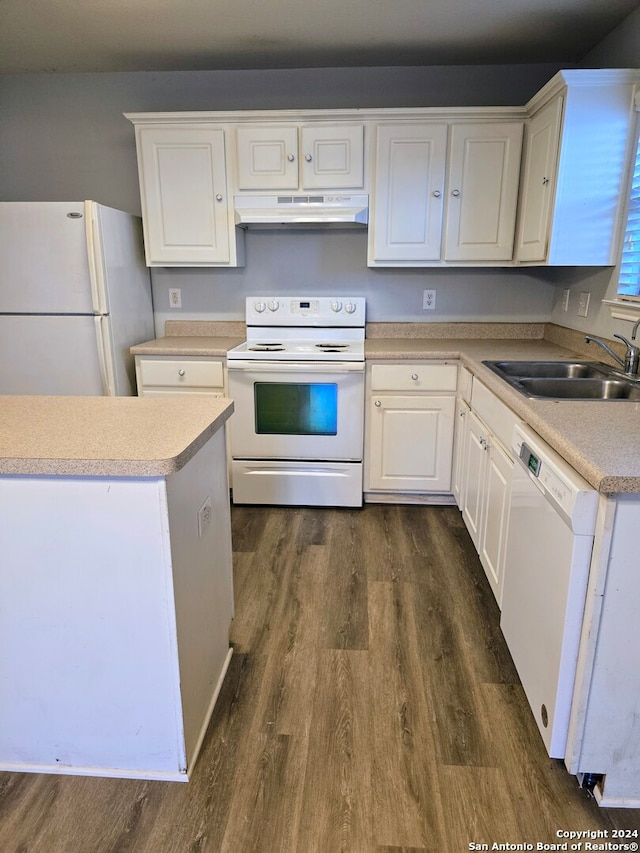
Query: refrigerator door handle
(94,255)
(104,344)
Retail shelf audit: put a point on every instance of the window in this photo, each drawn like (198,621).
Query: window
(629,278)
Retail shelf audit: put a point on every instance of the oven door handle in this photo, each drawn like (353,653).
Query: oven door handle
(297,366)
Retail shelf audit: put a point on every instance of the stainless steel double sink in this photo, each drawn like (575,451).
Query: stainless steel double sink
(567,380)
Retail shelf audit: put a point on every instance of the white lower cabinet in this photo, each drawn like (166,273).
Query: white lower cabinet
(485,468)
(409,429)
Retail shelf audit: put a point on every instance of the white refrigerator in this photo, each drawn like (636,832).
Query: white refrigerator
(75,295)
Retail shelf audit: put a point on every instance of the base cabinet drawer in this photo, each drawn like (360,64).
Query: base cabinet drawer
(414,377)
(179,373)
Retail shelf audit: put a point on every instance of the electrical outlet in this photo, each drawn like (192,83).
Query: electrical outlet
(428,300)
(583,304)
(175,297)
(204,516)
(565,299)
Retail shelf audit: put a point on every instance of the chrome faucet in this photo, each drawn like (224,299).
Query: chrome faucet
(631,360)
(635,329)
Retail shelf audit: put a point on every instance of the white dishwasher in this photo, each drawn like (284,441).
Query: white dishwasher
(552,516)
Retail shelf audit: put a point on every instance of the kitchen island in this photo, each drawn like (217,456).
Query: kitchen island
(116,590)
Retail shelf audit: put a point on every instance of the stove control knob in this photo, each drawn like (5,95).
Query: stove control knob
(350,307)
(274,305)
(336,306)
(259,307)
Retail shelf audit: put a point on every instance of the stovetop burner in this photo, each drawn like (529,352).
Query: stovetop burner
(266,348)
(333,346)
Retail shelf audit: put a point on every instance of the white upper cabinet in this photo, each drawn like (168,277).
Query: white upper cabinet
(482,191)
(577,148)
(305,157)
(186,210)
(445,185)
(445,193)
(538,182)
(406,220)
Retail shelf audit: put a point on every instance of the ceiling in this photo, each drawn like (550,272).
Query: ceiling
(188,35)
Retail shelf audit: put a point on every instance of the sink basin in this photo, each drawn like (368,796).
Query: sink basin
(550,369)
(566,380)
(580,389)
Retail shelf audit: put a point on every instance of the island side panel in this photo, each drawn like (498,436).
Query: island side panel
(88,665)
(200,525)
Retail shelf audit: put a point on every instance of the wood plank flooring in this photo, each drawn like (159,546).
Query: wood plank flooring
(371,705)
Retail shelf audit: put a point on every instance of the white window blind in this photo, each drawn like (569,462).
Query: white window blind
(629,280)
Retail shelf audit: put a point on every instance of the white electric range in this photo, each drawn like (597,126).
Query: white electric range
(298,387)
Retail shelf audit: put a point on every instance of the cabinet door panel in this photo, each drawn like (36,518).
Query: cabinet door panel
(495,518)
(458,474)
(475,473)
(185,197)
(267,158)
(411,443)
(332,157)
(407,219)
(482,196)
(538,182)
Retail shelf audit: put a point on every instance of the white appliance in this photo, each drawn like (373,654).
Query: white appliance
(552,516)
(75,294)
(338,210)
(297,382)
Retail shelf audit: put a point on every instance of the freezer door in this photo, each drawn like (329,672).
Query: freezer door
(122,289)
(50,355)
(45,265)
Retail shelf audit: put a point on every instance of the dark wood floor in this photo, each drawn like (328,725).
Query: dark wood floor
(370,705)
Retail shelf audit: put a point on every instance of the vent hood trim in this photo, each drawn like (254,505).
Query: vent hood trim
(296,211)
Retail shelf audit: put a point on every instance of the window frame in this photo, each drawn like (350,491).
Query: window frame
(631,221)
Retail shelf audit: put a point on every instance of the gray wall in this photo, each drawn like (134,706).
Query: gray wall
(63,137)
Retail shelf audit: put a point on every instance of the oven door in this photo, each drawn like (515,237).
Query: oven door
(297,410)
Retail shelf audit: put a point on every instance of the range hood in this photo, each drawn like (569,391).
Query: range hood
(302,211)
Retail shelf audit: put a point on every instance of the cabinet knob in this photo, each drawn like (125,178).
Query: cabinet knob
(308,158)
(437,193)
(455,193)
(218,197)
(290,158)
(181,371)
(545,181)
(378,404)
(414,376)
(484,444)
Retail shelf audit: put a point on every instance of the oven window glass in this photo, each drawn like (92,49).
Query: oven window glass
(291,408)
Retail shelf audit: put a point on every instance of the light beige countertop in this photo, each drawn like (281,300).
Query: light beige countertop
(105,436)
(601,440)
(186,345)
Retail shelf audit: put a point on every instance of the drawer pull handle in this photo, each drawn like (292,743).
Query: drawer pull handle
(414,376)
(181,371)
